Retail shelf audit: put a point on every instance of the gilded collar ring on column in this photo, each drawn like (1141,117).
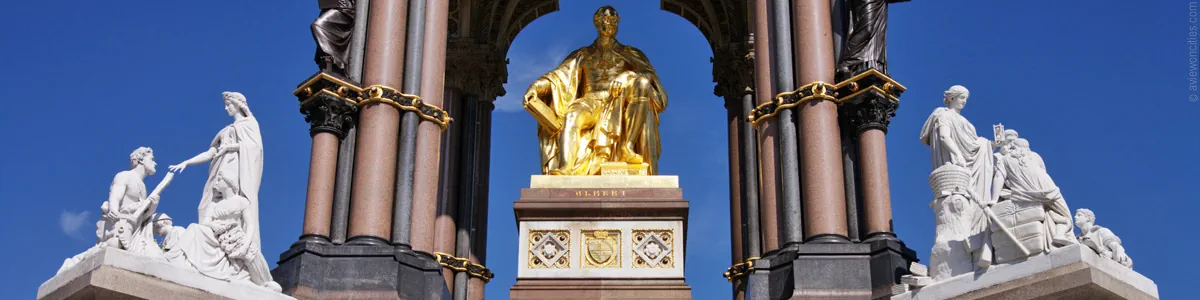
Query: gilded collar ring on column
(323,84)
(813,91)
(388,95)
(464,265)
(739,270)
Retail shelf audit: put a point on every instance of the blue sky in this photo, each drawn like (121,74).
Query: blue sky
(1101,91)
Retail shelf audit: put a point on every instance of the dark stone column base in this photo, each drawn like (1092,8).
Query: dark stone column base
(890,259)
(830,271)
(320,271)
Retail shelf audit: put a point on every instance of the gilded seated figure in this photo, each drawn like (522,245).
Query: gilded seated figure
(599,107)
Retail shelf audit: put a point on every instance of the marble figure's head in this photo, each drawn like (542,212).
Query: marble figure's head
(956,97)
(235,103)
(162,224)
(143,157)
(1084,218)
(223,186)
(606,20)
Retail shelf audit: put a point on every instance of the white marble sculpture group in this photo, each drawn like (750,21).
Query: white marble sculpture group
(226,242)
(994,200)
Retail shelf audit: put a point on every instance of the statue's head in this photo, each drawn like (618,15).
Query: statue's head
(956,97)
(142,157)
(606,20)
(1021,145)
(162,224)
(223,186)
(1084,218)
(1009,141)
(235,103)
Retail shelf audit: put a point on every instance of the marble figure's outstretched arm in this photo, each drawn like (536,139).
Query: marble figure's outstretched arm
(199,158)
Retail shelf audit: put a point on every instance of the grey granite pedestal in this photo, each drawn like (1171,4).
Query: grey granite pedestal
(312,270)
(830,271)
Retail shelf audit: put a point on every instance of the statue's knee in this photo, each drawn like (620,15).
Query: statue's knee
(642,83)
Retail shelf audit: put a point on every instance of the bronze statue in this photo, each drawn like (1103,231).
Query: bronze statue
(866,44)
(331,30)
(598,110)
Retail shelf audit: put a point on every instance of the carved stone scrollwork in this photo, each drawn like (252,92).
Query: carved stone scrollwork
(478,69)
(875,113)
(653,249)
(733,71)
(328,104)
(329,114)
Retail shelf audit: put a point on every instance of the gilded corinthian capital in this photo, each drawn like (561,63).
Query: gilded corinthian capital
(597,111)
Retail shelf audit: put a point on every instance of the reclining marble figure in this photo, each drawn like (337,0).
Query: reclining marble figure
(1100,239)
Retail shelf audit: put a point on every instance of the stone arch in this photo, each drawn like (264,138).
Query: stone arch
(481,32)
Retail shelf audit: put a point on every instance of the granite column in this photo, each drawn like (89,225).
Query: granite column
(322,168)
(478,255)
(733,111)
(375,160)
(763,93)
(345,160)
(428,162)
(872,129)
(789,197)
(445,226)
(821,165)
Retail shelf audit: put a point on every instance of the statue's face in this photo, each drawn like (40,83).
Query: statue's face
(958,102)
(606,25)
(230,108)
(1082,221)
(149,164)
(162,227)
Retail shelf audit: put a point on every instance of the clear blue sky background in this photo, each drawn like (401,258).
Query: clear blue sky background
(1099,88)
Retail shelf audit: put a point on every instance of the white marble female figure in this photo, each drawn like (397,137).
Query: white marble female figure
(952,140)
(236,154)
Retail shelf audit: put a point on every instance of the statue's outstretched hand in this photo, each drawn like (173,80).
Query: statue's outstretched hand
(177,168)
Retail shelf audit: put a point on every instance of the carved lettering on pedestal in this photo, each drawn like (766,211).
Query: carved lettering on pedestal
(600,193)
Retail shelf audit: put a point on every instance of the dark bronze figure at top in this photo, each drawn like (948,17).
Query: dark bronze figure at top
(866,43)
(332,31)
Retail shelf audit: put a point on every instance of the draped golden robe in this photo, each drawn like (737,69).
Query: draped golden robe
(624,115)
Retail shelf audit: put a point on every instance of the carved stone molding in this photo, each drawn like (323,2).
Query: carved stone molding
(733,71)
(478,69)
(871,113)
(653,248)
(549,249)
(329,104)
(328,114)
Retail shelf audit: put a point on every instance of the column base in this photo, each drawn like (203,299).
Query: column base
(830,271)
(312,270)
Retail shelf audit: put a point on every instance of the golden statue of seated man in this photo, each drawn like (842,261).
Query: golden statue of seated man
(599,107)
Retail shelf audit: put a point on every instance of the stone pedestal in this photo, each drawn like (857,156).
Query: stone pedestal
(830,271)
(601,237)
(118,274)
(312,270)
(1072,272)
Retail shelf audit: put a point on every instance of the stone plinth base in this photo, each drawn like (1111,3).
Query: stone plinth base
(321,271)
(866,270)
(601,237)
(1073,272)
(609,289)
(117,274)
